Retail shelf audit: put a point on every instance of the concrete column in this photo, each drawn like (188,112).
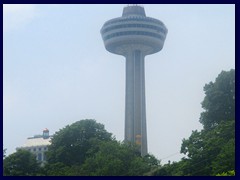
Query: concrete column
(144,149)
(129,98)
(135,112)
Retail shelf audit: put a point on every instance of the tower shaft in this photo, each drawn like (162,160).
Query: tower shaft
(134,36)
(135,107)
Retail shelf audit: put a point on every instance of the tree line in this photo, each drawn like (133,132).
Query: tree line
(85,148)
(210,151)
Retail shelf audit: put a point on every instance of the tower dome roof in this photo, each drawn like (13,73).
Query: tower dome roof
(133,10)
(45,130)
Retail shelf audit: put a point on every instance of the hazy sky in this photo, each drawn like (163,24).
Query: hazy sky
(56,70)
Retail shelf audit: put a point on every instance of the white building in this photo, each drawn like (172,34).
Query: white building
(38,145)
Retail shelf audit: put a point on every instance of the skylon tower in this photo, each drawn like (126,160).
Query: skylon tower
(134,36)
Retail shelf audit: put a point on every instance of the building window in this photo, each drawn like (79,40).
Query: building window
(133,33)
(44,157)
(39,157)
(34,149)
(39,149)
(45,148)
(154,27)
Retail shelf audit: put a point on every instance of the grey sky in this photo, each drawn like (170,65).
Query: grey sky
(57,71)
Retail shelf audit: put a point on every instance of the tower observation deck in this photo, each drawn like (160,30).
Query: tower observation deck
(134,35)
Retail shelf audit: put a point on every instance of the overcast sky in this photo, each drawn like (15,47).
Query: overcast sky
(56,70)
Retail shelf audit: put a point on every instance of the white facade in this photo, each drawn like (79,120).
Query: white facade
(38,145)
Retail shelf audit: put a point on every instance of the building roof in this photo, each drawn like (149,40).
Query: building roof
(39,141)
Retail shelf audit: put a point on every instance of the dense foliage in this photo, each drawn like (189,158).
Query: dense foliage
(210,151)
(117,159)
(74,143)
(229,173)
(21,163)
(86,148)
(219,102)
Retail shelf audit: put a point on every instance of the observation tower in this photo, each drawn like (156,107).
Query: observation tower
(134,36)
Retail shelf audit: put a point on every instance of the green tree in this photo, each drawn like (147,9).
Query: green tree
(220,144)
(74,143)
(173,169)
(228,173)
(57,169)
(86,148)
(118,159)
(21,163)
(219,102)
(152,161)
(225,160)
(212,150)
